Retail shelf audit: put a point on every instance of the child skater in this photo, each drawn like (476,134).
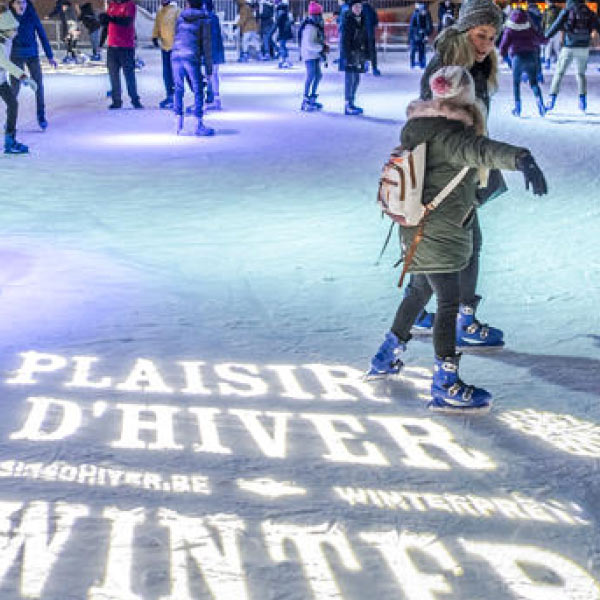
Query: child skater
(453,127)
(313,50)
(8,30)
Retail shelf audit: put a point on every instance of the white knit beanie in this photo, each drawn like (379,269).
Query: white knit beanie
(453,83)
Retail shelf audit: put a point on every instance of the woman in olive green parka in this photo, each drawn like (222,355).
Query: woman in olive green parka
(452,127)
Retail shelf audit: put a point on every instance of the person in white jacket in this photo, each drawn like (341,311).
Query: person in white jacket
(313,50)
(8,30)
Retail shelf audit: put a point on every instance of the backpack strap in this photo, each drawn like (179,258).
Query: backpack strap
(429,208)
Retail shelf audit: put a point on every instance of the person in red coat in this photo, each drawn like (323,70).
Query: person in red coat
(120,18)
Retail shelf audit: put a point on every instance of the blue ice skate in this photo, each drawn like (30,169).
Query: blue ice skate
(470,333)
(451,395)
(387,361)
(423,324)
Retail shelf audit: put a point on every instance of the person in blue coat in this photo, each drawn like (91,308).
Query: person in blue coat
(24,52)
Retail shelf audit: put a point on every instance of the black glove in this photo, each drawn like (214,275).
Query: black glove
(155,42)
(532,173)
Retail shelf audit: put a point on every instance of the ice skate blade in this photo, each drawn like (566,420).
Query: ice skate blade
(421,331)
(471,349)
(368,376)
(463,411)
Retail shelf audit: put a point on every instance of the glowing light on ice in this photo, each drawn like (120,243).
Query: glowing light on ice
(270,488)
(564,432)
(162,138)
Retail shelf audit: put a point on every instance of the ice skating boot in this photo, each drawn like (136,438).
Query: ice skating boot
(178,124)
(350,110)
(11,146)
(470,333)
(215,104)
(387,361)
(451,395)
(423,324)
(307,105)
(313,101)
(539,100)
(167,103)
(358,108)
(202,130)
(516,111)
(551,102)
(582,102)
(42,122)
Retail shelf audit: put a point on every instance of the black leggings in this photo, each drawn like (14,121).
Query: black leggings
(418,293)
(12,108)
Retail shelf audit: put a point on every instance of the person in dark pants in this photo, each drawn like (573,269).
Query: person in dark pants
(313,50)
(213,93)
(24,52)
(371,23)
(354,51)
(192,47)
(90,21)
(522,42)
(420,28)
(8,30)
(453,127)
(163,34)
(120,18)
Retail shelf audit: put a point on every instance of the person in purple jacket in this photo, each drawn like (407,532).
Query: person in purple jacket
(522,41)
(24,52)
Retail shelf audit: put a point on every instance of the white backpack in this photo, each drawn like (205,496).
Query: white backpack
(400,194)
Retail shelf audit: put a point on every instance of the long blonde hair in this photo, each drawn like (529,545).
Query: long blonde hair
(454,48)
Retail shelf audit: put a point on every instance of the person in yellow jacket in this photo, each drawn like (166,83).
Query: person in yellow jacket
(248,26)
(162,36)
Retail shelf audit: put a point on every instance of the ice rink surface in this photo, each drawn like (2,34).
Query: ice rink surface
(185,322)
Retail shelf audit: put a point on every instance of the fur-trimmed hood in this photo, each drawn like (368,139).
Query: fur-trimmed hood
(469,114)
(518,20)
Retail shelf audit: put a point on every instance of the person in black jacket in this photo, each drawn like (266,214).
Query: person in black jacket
(192,47)
(420,28)
(354,52)
(284,20)
(92,24)
(371,23)
(446,14)
(24,52)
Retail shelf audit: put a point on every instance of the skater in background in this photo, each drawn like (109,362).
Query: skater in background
(470,43)
(163,34)
(371,23)
(8,30)
(284,22)
(67,16)
(24,52)
(213,94)
(192,47)
(522,42)
(89,19)
(313,50)
(551,50)
(354,52)
(248,27)
(535,17)
(419,29)
(267,20)
(120,55)
(577,21)
(452,125)
(446,15)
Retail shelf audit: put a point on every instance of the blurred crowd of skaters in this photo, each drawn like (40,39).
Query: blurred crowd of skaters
(192,49)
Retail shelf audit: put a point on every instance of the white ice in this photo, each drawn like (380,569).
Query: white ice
(257,247)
